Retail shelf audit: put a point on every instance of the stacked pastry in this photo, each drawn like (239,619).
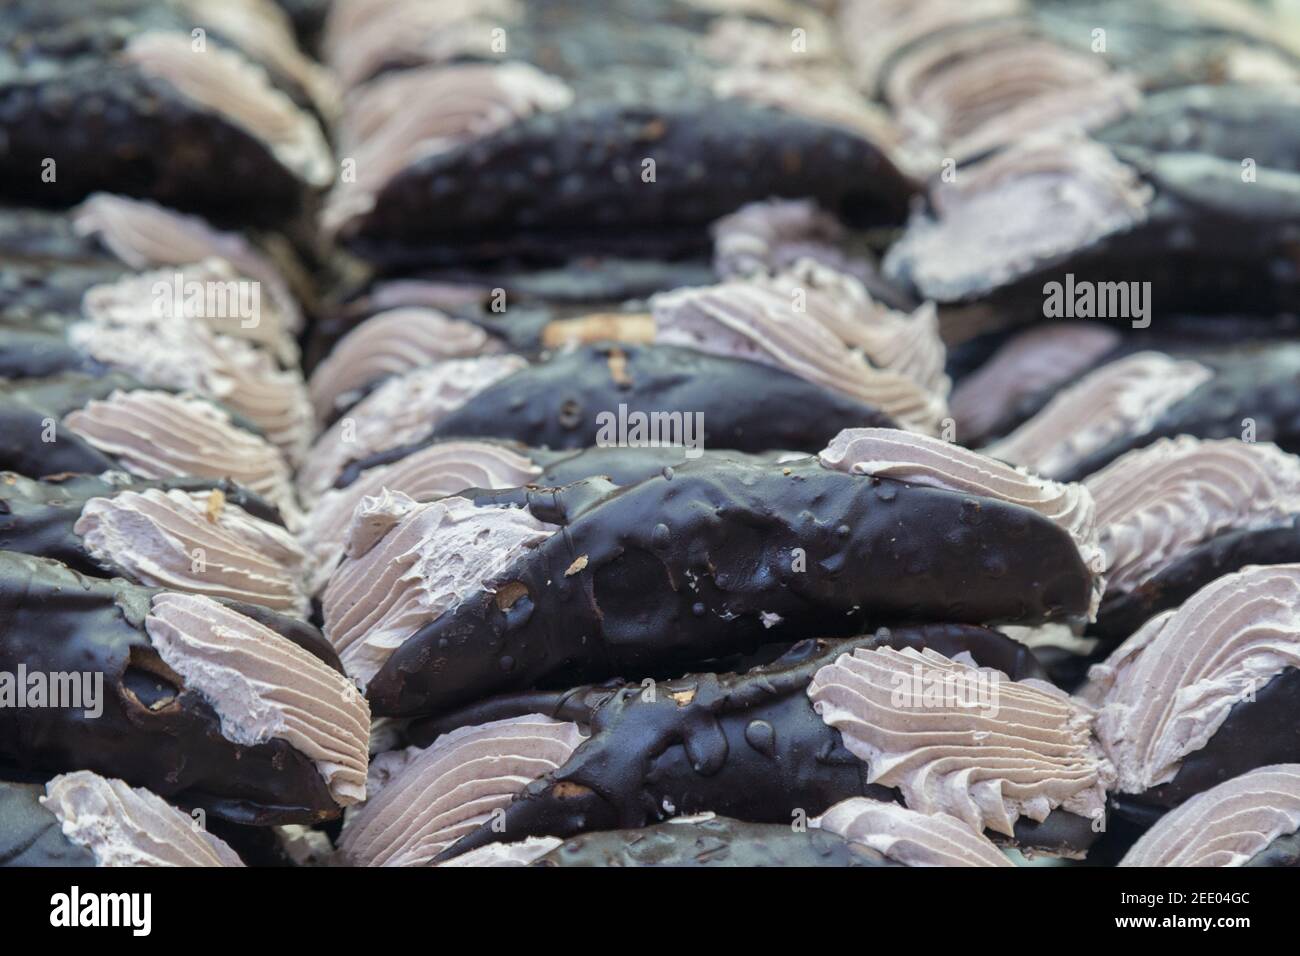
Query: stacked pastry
(589,434)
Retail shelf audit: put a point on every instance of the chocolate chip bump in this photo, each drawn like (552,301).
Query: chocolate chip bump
(1250,820)
(1181,512)
(83,819)
(855,832)
(1206,240)
(1145,396)
(767,747)
(735,554)
(1203,693)
(429,111)
(74,423)
(184,534)
(207,702)
(201,129)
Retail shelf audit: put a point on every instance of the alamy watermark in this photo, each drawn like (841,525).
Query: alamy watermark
(61,690)
(208,299)
(935,689)
(625,429)
(1098,300)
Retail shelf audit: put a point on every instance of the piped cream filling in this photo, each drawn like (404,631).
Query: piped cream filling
(1005,216)
(408,563)
(921,460)
(462,780)
(264,687)
(1034,361)
(908,837)
(393,343)
(1165,692)
(524,853)
(175,540)
(239,90)
(1226,825)
(123,825)
(773,234)
(145,235)
(385,132)
(400,411)
(1155,504)
(1125,397)
(161,435)
(362,36)
(132,324)
(433,472)
(822,326)
(1013,749)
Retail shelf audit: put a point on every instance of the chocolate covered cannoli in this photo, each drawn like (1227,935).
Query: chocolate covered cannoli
(179,329)
(641,123)
(1176,515)
(855,832)
(1204,692)
(702,561)
(93,424)
(83,819)
(1250,820)
(151,108)
(1131,230)
(207,702)
(759,747)
(1129,403)
(195,535)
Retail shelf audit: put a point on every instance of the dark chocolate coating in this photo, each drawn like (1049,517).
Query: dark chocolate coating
(66,95)
(30,835)
(656,577)
(1122,613)
(1259,382)
(1284,851)
(748,746)
(37,517)
(745,406)
(152,732)
(1260,121)
(714,842)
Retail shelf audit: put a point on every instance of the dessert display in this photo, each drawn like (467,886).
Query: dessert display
(649,433)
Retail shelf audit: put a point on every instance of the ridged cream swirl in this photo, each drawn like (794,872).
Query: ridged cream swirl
(123,825)
(433,472)
(145,235)
(452,787)
(1034,361)
(403,409)
(773,234)
(398,119)
(1165,691)
(908,837)
(240,91)
(1125,397)
(934,463)
(363,36)
(1226,825)
(821,326)
(161,435)
(1004,216)
(393,343)
(171,539)
(126,324)
(409,563)
(1025,755)
(263,687)
(1155,504)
